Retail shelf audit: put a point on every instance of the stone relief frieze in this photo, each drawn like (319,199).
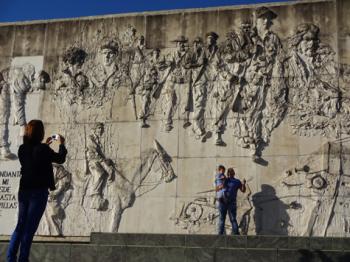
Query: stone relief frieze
(242,84)
(314,93)
(248,77)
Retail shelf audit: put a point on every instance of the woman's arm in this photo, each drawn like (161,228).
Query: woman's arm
(59,157)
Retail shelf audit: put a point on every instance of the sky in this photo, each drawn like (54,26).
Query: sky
(26,10)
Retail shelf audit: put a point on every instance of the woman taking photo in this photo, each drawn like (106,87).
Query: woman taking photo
(36,160)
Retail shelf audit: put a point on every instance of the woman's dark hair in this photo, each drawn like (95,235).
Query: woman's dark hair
(230,172)
(34,132)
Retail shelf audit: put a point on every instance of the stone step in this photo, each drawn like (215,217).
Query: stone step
(105,247)
(214,241)
(42,252)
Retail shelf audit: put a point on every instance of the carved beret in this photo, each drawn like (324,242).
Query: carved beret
(264,12)
(213,35)
(308,31)
(180,39)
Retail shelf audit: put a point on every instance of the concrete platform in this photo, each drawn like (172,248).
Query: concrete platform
(104,247)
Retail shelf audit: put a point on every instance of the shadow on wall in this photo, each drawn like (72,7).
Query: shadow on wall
(270,216)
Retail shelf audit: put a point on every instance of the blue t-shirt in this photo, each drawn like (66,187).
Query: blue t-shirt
(231,187)
(220,181)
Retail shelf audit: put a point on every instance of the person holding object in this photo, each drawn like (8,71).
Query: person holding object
(232,185)
(36,160)
(226,193)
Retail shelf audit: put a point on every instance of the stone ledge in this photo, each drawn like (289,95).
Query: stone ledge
(103,253)
(214,241)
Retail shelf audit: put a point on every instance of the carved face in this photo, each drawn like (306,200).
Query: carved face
(108,56)
(197,45)
(181,46)
(142,41)
(211,40)
(82,81)
(263,24)
(99,130)
(246,28)
(307,47)
(155,54)
(39,83)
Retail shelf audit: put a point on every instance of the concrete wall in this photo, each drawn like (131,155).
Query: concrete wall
(272,102)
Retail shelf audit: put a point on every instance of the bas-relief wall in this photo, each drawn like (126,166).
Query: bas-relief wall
(151,104)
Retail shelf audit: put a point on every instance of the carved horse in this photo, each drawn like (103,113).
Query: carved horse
(122,192)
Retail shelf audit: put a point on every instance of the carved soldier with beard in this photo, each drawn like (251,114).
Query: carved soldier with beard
(106,76)
(312,81)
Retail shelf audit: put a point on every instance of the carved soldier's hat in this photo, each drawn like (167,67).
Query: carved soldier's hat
(264,12)
(308,31)
(198,40)
(110,44)
(213,35)
(180,39)
(45,76)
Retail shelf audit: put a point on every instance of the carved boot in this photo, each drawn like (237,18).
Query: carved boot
(144,123)
(219,141)
(98,203)
(168,128)
(5,153)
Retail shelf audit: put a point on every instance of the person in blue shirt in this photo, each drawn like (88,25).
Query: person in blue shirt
(226,193)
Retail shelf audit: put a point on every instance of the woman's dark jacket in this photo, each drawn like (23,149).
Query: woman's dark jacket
(36,165)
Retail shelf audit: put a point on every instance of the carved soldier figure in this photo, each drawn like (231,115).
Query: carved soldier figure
(15,84)
(313,87)
(106,75)
(179,83)
(100,168)
(263,96)
(199,83)
(211,53)
(73,83)
(226,86)
(129,37)
(58,200)
(276,89)
(137,64)
(150,83)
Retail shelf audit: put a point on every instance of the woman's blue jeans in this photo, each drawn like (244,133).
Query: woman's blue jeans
(31,207)
(229,207)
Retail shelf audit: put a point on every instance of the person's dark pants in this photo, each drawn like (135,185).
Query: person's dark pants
(31,207)
(229,207)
